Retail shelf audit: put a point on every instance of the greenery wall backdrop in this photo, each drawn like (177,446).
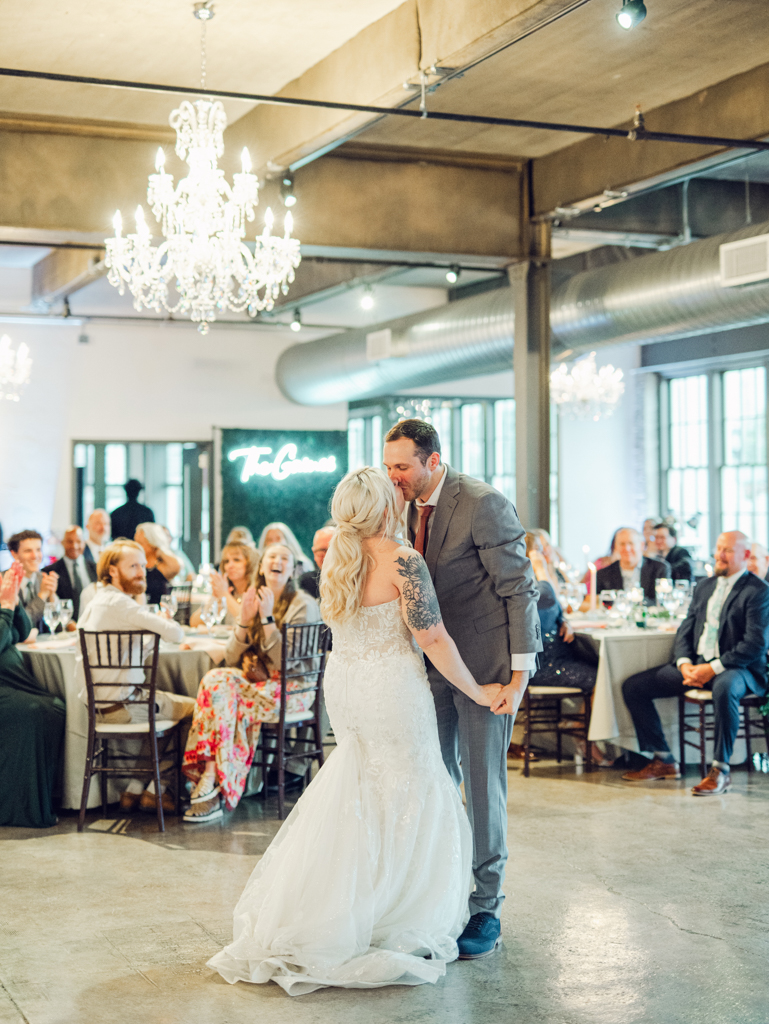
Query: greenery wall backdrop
(301,500)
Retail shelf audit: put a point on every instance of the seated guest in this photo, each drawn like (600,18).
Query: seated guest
(5,554)
(122,578)
(96,534)
(36,587)
(758,561)
(233,701)
(678,558)
(309,582)
(279,533)
(604,560)
(74,572)
(720,646)
(553,559)
(126,518)
(187,571)
(31,722)
(631,569)
(162,563)
(236,572)
(240,535)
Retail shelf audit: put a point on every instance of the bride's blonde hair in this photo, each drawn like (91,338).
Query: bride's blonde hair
(363,505)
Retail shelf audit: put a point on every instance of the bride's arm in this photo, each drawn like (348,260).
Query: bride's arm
(422,615)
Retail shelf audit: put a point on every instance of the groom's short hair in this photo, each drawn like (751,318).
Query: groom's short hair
(424,435)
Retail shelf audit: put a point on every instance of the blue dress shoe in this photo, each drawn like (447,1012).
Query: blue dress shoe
(480,938)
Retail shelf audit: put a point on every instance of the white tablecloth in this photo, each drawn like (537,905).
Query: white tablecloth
(54,667)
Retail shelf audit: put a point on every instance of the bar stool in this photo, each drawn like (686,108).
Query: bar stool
(542,706)
(702,722)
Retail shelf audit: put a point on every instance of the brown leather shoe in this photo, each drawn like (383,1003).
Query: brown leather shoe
(129,801)
(715,782)
(149,802)
(517,752)
(653,771)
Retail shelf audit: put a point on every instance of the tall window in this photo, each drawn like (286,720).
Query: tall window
(687,473)
(473,440)
(743,474)
(504,448)
(356,443)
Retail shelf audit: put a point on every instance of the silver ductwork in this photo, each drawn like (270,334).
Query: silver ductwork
(665,295)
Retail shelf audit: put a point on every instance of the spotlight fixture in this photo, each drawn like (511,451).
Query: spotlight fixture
(367,302)
(452,274)
(633,13)
(287,188)
(296,323)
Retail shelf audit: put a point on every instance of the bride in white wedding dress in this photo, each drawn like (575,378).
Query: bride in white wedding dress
(366,884)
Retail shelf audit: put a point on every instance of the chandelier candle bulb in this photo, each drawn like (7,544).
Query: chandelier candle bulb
(160,159)
(245,160)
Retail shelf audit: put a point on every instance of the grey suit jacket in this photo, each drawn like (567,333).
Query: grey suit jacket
(34,607)
(476,556)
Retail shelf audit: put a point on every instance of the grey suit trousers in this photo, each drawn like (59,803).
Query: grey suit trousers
(474,745)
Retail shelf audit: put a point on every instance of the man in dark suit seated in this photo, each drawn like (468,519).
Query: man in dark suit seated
(631,569)
(678,558)
(720,646)
(74,571)
(127,517)
(309,582)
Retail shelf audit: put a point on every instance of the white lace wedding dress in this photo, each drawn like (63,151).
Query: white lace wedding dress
(367,882)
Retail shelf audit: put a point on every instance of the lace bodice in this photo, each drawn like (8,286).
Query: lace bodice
(374,633)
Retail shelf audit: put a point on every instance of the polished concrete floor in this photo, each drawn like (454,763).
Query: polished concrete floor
(625,903)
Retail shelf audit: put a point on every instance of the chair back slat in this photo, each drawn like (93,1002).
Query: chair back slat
(121,650)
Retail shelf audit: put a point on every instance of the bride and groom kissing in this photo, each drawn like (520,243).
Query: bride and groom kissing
(379,876)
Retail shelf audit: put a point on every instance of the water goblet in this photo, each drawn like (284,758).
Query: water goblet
(51,614)
(66,611)
(169,604)
(154,608)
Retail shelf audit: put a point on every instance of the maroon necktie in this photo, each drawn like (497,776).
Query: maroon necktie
(420,542)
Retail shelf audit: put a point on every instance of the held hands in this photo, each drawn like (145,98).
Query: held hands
(48,585)
(488,694)
(697,676)
(509,697)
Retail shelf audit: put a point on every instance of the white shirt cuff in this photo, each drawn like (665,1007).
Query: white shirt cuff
(717,667)
(524,662)
(683,661)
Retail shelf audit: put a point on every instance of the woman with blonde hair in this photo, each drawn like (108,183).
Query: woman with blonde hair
(279,533)
(382,823)
(234,700)
(237,568)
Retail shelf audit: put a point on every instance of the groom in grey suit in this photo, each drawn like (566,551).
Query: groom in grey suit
(473,544)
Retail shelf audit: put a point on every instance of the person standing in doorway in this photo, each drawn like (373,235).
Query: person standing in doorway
(473,544)
(127,517)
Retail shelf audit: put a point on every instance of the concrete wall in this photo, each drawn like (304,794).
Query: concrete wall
(144,383)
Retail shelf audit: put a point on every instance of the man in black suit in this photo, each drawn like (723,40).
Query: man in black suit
(631,569)
(678,558)
(721,646)
(758,562)
(309,582)
(127,517)
(75,572)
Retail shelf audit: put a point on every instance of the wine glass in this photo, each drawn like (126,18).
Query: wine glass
(221,611)
(169,604)
(661,588)
(51,611)
(208,613)
(608,597)
(670,602)
(66,611)
(622,604)
(682,587)
(154,608)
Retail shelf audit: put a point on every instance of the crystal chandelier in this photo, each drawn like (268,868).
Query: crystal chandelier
(586,392)
(203,220)
(15,367)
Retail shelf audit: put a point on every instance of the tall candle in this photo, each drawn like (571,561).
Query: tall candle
(593,595)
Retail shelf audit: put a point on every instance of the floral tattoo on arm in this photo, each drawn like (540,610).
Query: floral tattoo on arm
(422,609)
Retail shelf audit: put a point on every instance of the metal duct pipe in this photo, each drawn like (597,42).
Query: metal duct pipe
(460,339)
(659,297)
(665,295)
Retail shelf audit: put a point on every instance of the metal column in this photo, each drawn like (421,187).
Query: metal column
(530,281)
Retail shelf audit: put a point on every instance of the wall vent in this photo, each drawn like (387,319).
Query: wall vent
(745,261)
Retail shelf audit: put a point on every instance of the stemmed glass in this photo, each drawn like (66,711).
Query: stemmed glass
(51,613)
(169,604)
(209,613)
(221,613)
(66,611)
(607,598)
(622,604)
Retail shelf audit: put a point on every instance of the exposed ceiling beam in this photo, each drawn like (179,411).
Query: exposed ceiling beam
(62,273)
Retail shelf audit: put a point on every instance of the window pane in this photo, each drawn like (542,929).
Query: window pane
(473,440)
(744,475)
(376,440)
(114,464)
(356,443)
(174,459)
(687,478)
(504,448)
(441,420)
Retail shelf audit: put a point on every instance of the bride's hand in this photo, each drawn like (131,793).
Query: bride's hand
(488,694)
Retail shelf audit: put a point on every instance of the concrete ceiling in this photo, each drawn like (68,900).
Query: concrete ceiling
(251,47)
(585,69)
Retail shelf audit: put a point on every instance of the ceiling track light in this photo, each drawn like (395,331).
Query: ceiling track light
(287,188)
(452,274)
(633,13)
(367,301)
(296,323)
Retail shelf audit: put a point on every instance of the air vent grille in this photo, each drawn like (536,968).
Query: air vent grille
(745,261)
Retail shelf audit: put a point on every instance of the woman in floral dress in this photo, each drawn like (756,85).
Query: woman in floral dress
(234,700)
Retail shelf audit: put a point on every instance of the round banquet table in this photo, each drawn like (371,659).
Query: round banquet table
(52,663)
